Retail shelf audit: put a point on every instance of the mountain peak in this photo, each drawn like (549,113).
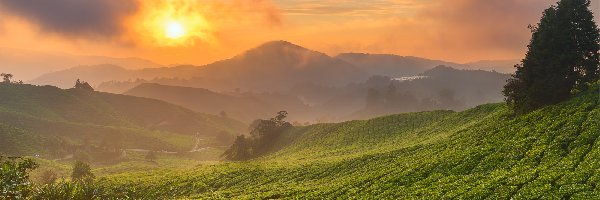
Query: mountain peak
(279,43)
(281,50)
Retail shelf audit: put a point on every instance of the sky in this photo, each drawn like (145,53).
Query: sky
(203,31)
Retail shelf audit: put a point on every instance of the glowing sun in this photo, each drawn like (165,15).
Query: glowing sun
(172,23)
(174,30)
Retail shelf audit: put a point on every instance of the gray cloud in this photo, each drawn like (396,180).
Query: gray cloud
(73,18)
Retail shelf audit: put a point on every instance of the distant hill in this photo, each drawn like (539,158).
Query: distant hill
(439,88)
(279,65)
(27,64)
(503,66)
(44,119)
(399,66)
(273,66)
(242,106)
(392,65)
(97,74)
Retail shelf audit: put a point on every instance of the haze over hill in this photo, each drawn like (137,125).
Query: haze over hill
(392,65)
(273,66)
(29,64)
(438,88)
(97,74)
(246,107)
(52,122)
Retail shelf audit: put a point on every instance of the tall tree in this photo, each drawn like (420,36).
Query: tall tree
(562,56)
(6,78)
(82,172)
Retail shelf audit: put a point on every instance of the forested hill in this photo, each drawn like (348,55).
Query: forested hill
(52,122)
(480,153)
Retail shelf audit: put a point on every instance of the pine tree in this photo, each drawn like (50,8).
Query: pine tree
(562,56)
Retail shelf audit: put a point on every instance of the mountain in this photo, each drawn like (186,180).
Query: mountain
(27,64)
(392,65)
(97,74)
(439,88)
(242,106)
(503,66)
(52,122)
(279,65)
(399,66)
(480,153)
(273,66)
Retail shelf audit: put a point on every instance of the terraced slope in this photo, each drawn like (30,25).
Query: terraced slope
(478,153)
(475,154)
(38,119)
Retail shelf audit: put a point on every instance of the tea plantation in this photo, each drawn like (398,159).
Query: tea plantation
(481,153)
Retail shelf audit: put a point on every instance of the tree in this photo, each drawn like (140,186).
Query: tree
(240,150)
(223,114)
(83,85)
(262,135)
(82,172)
(6,78)
(14,177)
(48,177)
(562,57)
(151,156)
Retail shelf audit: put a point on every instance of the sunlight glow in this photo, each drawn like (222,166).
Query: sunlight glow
(174,30)
(172,23)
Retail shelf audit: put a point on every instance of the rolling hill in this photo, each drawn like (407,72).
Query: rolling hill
(438,88)
(479,153)
(273,66)
(242,106)
(96,74)
(400,66)
(29,64)
(52,122)
(392,65)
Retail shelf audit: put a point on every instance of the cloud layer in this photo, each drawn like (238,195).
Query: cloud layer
(74,18)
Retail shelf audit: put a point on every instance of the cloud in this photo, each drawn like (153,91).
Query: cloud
(499,24)
(244,10)
(349,7)
(73,17)
(459,30)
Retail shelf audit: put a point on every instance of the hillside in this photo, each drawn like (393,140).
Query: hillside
(246,107)
(29,64)
(52,122)
(97,74)
(273,66)
(392,65)
(279,65)
(474,154)
(400,66)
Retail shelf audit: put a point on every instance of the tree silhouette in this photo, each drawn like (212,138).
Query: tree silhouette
(6,78)
(262,135)
(151,156)
(83,85)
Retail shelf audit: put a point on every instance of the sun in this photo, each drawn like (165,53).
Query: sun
(172,23)
(174,30)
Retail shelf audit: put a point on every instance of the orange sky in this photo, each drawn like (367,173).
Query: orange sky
(453,30)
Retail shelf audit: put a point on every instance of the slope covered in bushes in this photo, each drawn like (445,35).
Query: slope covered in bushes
(45,119)
(479,153)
